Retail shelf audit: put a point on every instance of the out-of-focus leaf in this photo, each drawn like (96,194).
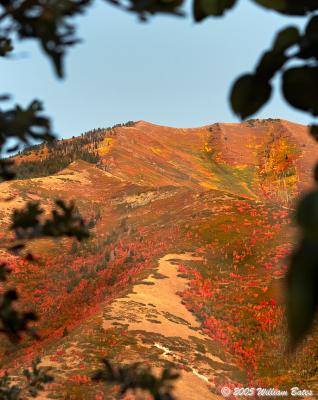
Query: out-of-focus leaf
(6,172)
(37,377)
(290,7)
(25,124)
(13,148)
(309,41)
(16,248)
(313,129)
(286,38)
(138,376)
(269,64)
(4,271)
(205,8)
(307,215)
(312,27)
(300,88)
(26,219)
(249,94)
(144,8)
(64,221)
(5,46)
(316,173)
(302,290)
(5,97)
(278,5)
(8,390)
(48,23)
(14,322)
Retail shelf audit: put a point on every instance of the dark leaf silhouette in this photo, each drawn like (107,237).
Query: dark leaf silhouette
(249,94)
(47,22)
(138,376)
(145,8)
(309,41)
(302,289)
(5,46)
(307,215)
(64,221)
(270,63)
(299,88)
(205,8)
(4,271)
(302,276)
(13,322)
(286,38)
(6,171)
(290,7)
(313,129)
(24,126)
(36,377)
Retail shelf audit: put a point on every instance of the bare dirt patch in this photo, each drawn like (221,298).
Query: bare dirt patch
(155,313)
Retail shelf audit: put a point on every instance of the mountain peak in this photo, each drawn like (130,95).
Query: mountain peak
(254,159)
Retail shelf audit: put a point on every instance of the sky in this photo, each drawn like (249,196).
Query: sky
(169,71)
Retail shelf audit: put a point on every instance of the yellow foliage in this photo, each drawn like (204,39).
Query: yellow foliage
(244,184)
(253,146)
(207,148)
(241,167)
(276,161)
(208,185)
(155,150)
(105,146)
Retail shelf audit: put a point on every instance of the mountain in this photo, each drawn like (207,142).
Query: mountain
(255,159)
(190,233)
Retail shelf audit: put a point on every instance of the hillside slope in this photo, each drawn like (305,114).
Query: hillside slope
(255,159)
(190,232)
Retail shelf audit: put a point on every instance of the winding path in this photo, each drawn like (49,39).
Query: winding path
(160,330)
(155,313)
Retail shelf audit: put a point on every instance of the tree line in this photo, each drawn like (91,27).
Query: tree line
(56,155)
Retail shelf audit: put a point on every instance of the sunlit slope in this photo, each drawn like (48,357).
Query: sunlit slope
(94,191)
(255,159)
(147,192)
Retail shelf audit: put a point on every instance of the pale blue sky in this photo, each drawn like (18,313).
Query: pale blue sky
(169,71)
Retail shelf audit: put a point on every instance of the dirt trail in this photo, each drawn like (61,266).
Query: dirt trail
(161,330)
(156,299)
(155,313)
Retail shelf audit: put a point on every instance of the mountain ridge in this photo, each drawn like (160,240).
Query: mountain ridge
(264,159)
